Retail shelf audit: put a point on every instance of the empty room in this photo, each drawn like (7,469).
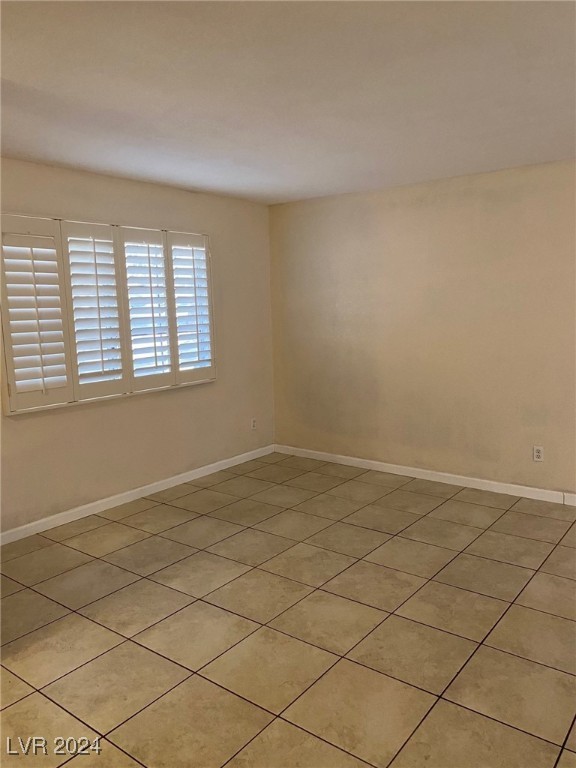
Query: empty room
(288,383)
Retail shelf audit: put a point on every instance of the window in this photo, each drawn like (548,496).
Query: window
(93,310)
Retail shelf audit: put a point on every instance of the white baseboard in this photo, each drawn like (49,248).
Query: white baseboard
(543,494)
(52,521)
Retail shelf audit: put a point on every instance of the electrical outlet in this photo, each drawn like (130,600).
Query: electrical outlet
(253,424)
(537,453)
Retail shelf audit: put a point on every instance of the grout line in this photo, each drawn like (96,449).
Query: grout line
(563,747)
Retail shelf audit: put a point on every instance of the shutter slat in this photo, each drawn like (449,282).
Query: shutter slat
(190,268)
(148,307)
(34,314)
(95,305)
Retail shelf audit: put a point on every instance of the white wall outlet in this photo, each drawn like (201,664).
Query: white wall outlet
(537,453)
(253,424)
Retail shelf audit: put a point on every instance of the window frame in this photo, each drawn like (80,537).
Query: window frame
(131,385)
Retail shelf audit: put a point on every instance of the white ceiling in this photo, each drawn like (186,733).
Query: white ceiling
(278,101)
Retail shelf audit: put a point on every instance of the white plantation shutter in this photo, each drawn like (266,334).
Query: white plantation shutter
(191,281)
(149,308)
(34,314)
(96,312)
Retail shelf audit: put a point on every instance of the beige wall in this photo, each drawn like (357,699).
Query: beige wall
(56,460)
(432,326)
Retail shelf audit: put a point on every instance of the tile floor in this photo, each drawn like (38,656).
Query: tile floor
(289,613)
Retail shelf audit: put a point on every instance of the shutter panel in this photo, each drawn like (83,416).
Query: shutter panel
(191,280)
(96,310)
(34,314)
(148,307)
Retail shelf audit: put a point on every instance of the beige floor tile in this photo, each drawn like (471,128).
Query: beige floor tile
(411,556)
(132,609)
(130,508)
(294,525)
(416,503)
(113,687)
(251,547)
(529,696)
(453,737)
(202,532)
(357,491)
(455,610)
(247,466)
(315,481)
(571,740)
(487,498)
(43,564)
(86,583)
(374,725)
(159,518)
(199,574)
(303,463)
(567,759)
(258,595)
(9,587)
(196,725)
(414,653)
(282,745)
(433,488)
(12,689)
(269,668)
(149,555)
(442,533)
(348,539)
(106,539)
(569,539)
(23,547)
(546,509)
(109,757)
(56,649)
(531,527)
(246,512)
(244,485)
(196,635)
(551,594)
(488,577)
(510,549)
(204,501)
(308,564)
(387,479)
(36,716)
(284,496)
(207,481)
(340,470)
(382,519)
(63,532)
(169,494)
(467,514)
(275,457)
(374,585)
(561,562)
(26,611)
(276,473)
(536,636)
(329,621)
(328,506)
